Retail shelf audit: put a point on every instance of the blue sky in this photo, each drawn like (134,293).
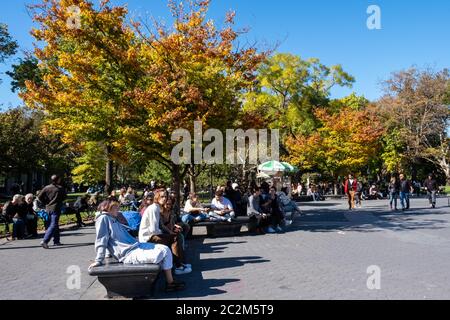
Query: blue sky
(335,31)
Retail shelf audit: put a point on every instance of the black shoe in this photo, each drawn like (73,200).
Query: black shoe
(260,231)
(58,244)
(175,286)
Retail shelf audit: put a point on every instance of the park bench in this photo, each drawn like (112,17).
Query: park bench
(127,280)
(223,229)
(334,196)
(303,199)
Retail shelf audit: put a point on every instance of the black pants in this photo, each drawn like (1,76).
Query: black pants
(276,218)
(79,219)
(32,227)
(258,222)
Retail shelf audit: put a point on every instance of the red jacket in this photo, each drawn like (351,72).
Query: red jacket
(353,187)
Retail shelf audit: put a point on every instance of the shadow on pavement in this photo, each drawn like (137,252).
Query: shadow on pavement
(68,246)
(368,219)
(318,204)
(196,285)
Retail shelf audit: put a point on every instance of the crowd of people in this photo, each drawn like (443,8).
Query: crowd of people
(399,188)
(163,228)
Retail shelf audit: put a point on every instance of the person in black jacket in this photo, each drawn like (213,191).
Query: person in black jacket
(31,217)
(52,196)
(394,189)
(405,188)
(432,188)
(81,205)
(15,213)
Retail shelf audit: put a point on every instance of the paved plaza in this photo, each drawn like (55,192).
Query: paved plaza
(324,255)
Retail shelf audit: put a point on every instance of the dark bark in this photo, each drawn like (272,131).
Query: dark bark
(109,171)
(176,182)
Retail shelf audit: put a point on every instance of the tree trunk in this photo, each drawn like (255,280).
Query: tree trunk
(176,182)
(193,183)
(192,178)
(336,185)
(445,166)
(109,171)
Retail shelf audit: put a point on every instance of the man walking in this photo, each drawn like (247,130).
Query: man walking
(432,188)
(350,188)
(405,189)
(52,196)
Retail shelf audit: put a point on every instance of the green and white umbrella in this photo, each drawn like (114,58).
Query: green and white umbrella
(290,167)
(276,166)
(263,175)
(272,166)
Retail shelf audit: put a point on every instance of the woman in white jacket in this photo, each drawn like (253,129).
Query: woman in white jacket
(149,231)
(112,236)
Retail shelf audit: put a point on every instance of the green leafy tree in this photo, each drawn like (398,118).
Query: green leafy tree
(416,113)
(26,70)
(288,89)
(8,46)
(156,171)
(90,167)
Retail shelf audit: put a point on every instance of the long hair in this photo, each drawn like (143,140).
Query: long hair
(107,205)
(158,194)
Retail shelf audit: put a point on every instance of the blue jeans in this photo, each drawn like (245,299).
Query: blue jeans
(187,218)
(18,228)
(404,200)
(432,197)
(393,196)
(53,229)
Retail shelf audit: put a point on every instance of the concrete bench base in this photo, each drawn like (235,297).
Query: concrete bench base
(129,281)
(223,229)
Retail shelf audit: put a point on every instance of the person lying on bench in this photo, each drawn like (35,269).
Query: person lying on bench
(222,209)
(193,210)
(150,231)
(112,236)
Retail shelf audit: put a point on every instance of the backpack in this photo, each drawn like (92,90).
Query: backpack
(133,218)
(43,215)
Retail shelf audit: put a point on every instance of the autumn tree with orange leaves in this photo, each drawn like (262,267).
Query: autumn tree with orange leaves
(121,84)
(346,142)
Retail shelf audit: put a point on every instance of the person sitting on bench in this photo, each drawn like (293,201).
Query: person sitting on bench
(222,209)
(113,237)
(276,213)
(150,231)
(258,219)
(193,210)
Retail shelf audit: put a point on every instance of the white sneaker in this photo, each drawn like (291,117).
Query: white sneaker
(182,270)
(230,220)
(270,230)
